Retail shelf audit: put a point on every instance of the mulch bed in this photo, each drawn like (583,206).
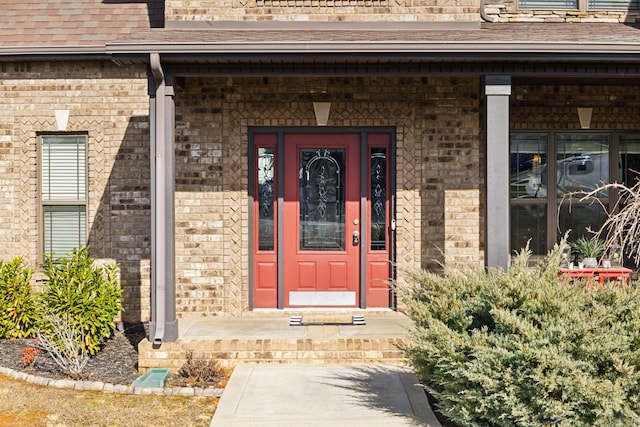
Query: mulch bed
(116,362)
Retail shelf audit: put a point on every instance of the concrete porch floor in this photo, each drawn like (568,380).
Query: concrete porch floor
(266,336)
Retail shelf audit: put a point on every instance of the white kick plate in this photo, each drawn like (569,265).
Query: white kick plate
(319,298)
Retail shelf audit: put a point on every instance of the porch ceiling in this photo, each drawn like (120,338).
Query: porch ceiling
(523,72)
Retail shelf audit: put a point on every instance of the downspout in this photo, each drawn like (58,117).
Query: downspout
(483,14)
(160,201)
(156,67)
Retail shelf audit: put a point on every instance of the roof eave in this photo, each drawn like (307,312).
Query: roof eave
(22,53)
(381,48)
(353,51)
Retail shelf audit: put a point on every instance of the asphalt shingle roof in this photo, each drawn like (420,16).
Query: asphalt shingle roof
(137,26)
(501,32)
(28,23)
(511,37)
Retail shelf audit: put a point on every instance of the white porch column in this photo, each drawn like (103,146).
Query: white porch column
(163,325)
(497,90)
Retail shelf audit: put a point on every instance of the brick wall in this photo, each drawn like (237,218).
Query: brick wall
(440,184)
(211,174)
(201,200)
(438,155)
(324,10)
(550,107)
(452,165)
(109,103)
(462,227)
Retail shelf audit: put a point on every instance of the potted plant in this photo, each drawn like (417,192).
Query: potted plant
(590,249)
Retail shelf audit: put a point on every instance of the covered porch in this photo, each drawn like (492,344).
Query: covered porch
(449,95)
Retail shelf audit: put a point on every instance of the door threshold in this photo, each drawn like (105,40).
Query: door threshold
(334,320)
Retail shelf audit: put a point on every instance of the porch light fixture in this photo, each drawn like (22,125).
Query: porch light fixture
(62,118)
(584,114)
(322,112)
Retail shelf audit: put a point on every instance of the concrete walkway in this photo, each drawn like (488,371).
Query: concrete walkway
(301,395)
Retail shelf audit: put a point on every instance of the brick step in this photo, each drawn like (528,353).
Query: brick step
(319,338)
(231,352)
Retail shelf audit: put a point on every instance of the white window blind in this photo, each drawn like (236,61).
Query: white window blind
(614,4)
(573,4)
(549,4)
(64,187)
(65,228)
(63,168)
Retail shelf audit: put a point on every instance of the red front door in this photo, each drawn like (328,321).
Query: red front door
(321,220)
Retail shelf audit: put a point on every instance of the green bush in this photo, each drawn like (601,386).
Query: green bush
(524,348)
(88,296)
(18,303)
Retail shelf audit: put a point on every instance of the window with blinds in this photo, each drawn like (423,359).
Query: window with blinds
(574,4)
(322,3)
(63,196)
(614,4)
(548,4)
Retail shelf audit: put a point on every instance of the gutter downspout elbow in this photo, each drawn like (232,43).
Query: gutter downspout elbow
(156,66)
(160,201)
(483,14)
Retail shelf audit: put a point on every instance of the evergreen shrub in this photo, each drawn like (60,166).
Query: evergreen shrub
(88,297)
(19,310)
(526,348)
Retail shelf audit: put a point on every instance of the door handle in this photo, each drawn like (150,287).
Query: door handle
(356,238)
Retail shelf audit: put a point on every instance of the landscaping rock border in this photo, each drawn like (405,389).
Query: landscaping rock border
(109,387)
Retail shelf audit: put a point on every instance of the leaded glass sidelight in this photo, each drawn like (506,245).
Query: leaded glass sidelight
(322,201)
(266,197)
(378,195)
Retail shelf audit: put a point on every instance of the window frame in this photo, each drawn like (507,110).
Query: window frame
(43,203)
(552,200)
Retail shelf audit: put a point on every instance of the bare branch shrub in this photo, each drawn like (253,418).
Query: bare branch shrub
(622,226)
(63,341)
(201,372)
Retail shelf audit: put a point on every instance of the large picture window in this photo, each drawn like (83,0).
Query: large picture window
(63,193)
(547,169)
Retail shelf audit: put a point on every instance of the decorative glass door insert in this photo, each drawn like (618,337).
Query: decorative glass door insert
(322,203)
